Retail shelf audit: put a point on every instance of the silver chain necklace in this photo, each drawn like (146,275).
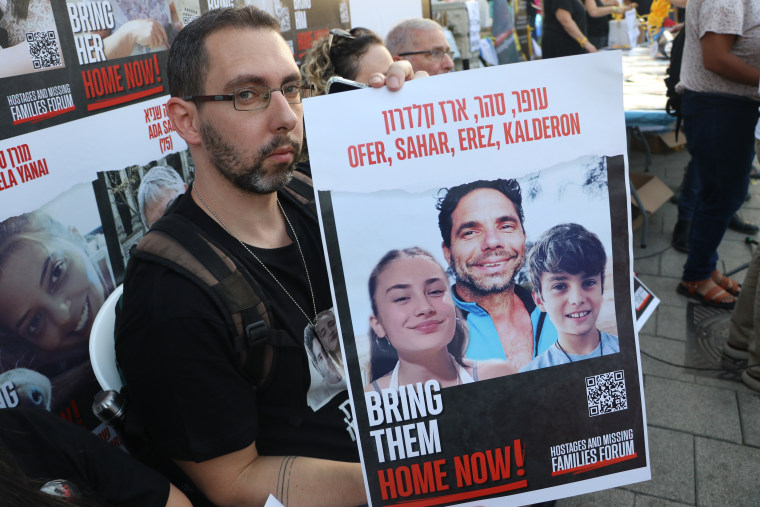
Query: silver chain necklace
(298,244)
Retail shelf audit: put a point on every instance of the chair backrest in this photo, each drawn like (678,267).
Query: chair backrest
(102,350)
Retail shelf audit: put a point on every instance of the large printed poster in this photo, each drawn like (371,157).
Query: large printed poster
(88,160)
(477,230)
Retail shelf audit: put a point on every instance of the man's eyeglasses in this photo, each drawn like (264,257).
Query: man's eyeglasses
(435,54)
(252,98)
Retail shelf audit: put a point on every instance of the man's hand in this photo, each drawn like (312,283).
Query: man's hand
(243,478)
(395,76)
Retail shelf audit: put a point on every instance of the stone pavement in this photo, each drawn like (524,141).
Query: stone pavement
(704,433)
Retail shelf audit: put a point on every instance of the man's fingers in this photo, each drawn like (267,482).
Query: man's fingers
(399,72)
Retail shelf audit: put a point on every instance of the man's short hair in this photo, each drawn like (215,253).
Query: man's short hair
(451,197)
(566,248)
(188,60)
(399,39)
(155,182)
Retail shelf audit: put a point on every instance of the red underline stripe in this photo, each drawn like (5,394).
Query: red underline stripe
(45,116)
(463,496)
(124,98)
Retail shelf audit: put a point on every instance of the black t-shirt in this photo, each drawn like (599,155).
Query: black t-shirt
(556,41)
(185,378)
(598,27)
(46,447)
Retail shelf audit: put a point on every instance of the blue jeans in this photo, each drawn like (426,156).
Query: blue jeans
(720,136)
(688,194)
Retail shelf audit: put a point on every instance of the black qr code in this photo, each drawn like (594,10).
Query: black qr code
(43,49)
(606,393)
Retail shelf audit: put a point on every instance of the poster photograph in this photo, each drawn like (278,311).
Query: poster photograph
(477,231)
(56,276)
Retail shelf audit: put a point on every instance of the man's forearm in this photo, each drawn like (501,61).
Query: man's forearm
(295,481)
(315,482)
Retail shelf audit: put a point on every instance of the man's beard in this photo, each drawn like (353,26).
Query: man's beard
(483,285)
(249,177)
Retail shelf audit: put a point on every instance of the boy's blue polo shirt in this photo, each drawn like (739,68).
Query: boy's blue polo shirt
(484,341)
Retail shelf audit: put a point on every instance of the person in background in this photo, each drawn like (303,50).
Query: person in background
(598,17)
(356,55)
(687,192)
(422,42)
(158,188)
(719,81)
(565,26)
(744,330)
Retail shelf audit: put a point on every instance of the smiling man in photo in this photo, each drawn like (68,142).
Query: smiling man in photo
(481,225)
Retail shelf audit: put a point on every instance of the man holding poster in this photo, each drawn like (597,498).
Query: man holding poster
(237,102)
(481,225)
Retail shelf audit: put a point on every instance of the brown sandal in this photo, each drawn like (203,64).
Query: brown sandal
(728,284)
(715,296)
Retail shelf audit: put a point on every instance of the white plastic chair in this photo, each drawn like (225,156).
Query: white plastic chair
(102,349)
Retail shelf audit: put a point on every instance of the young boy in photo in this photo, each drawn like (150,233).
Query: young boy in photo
(566,267)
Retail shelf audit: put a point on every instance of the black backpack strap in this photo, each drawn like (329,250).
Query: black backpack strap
(177,243)
(673,104)
(300,191)
(537,334)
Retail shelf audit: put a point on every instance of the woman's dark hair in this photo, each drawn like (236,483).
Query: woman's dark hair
(383,357)
(20,489)
(341,58)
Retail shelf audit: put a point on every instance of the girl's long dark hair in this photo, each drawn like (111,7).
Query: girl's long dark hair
(382,356)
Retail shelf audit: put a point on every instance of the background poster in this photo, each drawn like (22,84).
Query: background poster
(82,128)
(514,439)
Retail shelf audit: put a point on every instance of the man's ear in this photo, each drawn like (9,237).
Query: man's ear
(184,117)
(538,300)
(376,326)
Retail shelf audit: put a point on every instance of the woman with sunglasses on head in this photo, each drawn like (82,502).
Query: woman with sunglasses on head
(415,333)
(354,55)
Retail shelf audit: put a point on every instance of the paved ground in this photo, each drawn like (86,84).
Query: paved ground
(704,433)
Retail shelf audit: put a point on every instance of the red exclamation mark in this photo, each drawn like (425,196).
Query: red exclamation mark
(158,69)
(519,457)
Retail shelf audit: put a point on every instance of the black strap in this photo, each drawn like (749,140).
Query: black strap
(537,335)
